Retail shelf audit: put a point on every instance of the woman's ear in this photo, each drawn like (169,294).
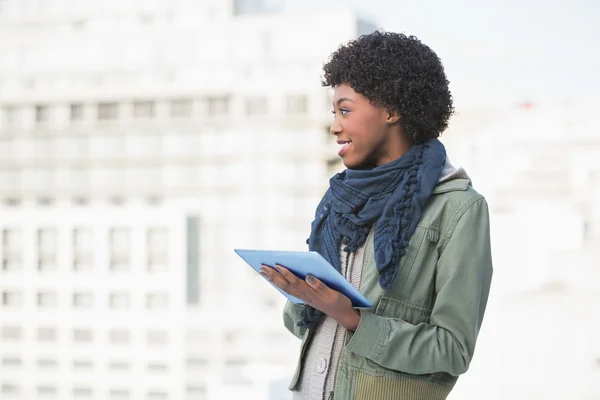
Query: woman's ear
(392,118)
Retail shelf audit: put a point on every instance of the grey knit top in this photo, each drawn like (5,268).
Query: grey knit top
(321,359)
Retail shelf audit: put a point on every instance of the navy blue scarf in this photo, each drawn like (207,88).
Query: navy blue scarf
(391,197)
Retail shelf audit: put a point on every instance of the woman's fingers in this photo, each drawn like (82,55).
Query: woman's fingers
(312,291)
(287,283)
(293,279)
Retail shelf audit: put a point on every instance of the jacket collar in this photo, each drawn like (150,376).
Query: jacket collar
(452,185)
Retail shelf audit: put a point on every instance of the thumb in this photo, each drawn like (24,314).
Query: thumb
(313,282)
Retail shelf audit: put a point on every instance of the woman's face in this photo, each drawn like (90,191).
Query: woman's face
(368,135)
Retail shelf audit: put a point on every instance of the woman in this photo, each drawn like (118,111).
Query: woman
(404,227)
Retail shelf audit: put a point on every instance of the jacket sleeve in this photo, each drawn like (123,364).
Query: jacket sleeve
(447,342)
(292,313)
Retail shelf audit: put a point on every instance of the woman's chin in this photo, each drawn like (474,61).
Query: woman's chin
(353,164)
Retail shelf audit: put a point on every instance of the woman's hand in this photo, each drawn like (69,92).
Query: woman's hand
(314,293)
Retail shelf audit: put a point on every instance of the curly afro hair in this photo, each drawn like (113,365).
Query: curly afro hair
(399,73)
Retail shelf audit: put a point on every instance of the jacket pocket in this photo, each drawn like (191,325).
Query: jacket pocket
(392,307)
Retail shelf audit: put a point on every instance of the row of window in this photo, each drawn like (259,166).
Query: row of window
(83,392)
(45,265)
(83,239)
(84,300)
(82,365)
(80,201)
(145,109)
(51,334)
(109,179)
(86,365)
(83,246)
(50,364)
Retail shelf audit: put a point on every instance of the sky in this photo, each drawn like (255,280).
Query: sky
(500,52)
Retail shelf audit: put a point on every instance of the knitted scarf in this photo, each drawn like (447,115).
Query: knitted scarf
(391,197)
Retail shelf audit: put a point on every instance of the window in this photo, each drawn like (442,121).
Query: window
(43,148)
(47,249)
(296,104)
(39,179)
(156,337)
(119,336)
(46,334)
(197,336)
(234,372)
(218,106)
(46,391)
(76,112)
(46,363)
(256,106)
(73,147)
(10,116)
(181,108)
(82,335)
(241,7)
(157,245)
(82,249)
(11,332)
(119,394)
(143,109)
(83,300)
(145,178)
(45,201)
(119,301)
(12,202)
(10,389)
(194,392)
(11,362)
(41,114)
(180,176)
(157,368)
(157,395)
(119,366)
(12,244)
(119,249)
(192,258)
(83,365)
(11,179)
(154,200)
(156,301)
(12,299)
(82,392)
(47,299)
(108,111)
(196,363)
(81,201)
(143,145)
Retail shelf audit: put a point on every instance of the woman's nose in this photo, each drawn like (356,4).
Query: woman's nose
(335,128)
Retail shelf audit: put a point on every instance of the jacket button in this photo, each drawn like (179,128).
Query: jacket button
(321,365)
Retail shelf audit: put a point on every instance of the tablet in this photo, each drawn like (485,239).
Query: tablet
(303,263)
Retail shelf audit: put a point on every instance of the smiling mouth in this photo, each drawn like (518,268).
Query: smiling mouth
(344,146)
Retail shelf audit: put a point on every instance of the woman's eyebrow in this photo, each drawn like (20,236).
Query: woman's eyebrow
(341,100)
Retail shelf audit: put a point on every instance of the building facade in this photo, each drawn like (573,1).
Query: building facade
(140,143)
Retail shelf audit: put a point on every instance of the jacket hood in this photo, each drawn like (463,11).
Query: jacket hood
(452,179)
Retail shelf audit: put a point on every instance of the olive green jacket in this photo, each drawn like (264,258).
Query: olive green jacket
(420,335)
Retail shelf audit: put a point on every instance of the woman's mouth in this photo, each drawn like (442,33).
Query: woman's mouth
(345,144)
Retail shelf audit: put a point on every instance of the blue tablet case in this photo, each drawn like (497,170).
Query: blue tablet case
(303,263)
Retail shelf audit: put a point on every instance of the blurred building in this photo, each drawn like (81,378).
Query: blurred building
(538,166)
(140,142)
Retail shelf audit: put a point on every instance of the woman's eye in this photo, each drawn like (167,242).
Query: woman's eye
(343,111)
